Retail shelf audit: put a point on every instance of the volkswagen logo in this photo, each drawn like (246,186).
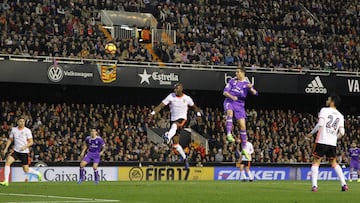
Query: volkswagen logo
(55,73)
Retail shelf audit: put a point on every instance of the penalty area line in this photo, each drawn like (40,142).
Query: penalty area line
(74,199)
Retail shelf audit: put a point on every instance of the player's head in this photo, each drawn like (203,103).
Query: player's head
(353,145)
(240,72)
(93,132)
(21,121)
(178,89)
(333,100)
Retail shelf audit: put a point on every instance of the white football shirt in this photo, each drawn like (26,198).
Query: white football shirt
(20,137)
(249,148)
(178,105)
(331,121)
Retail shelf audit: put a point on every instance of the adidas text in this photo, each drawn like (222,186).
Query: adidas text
(320,90)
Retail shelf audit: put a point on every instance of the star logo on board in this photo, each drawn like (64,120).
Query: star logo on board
(145,77)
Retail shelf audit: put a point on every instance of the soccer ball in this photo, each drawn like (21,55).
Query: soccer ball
(110,48)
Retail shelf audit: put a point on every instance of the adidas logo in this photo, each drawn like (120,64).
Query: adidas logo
(316,86)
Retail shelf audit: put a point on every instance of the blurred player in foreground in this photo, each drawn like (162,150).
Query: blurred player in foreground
(95,147)
(329,128)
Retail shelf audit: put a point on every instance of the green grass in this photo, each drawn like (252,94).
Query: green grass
(180,191)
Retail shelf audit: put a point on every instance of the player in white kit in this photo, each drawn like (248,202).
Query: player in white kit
(329,128)
(178,103)
(23,140)
(245,162)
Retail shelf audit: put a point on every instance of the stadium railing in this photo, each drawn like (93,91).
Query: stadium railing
(66,60)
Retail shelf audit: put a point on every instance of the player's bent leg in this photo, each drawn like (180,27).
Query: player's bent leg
(229,125)
(243,136)
(172,131)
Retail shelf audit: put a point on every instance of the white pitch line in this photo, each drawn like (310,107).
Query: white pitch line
(75,199)
(67,201)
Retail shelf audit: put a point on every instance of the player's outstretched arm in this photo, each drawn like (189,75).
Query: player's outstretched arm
(157,109)
(197,109)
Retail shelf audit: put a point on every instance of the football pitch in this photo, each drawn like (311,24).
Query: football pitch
(179,191)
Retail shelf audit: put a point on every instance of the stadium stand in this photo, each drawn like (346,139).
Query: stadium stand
(59,129)
(314,35)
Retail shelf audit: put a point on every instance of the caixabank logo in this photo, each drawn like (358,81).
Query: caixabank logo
(316,87)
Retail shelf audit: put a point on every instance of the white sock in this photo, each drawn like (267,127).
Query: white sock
(314,175)
(340,174)
(7,173)
(250,175)
(172,131)
(32,171)
(179,148)
(242,175)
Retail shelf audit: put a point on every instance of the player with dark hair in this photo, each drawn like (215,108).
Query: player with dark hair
(95,147)
(329,128)
(354,154)
(235,93)
(178,102)
(23,140)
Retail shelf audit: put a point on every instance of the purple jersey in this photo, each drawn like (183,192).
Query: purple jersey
(239,89)
(354,158)
(94,145)
(354,154)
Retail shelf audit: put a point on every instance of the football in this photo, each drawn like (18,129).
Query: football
(110,48)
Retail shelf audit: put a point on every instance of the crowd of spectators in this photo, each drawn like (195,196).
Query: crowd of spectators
(59,131)
(319,34)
